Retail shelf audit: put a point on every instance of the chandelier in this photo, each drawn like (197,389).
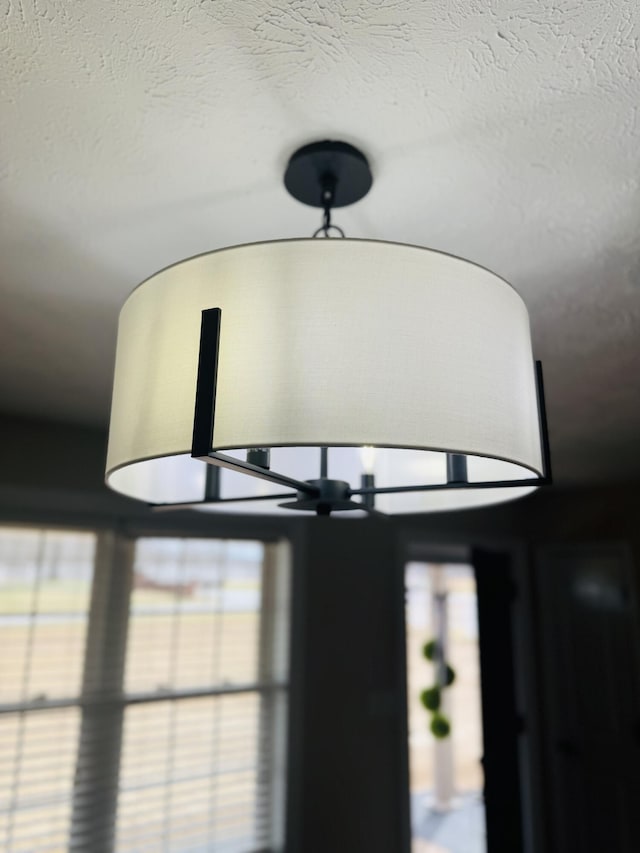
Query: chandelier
(326,375)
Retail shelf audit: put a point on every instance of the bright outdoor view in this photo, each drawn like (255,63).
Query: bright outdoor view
(445,722)
(198,714)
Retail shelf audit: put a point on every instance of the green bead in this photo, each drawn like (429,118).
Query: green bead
(430,698)
(430,650)
(440,726)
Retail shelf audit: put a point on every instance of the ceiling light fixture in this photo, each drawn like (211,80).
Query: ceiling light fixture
(326,374)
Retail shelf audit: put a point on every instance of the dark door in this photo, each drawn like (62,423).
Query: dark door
(587,617)
(500,720)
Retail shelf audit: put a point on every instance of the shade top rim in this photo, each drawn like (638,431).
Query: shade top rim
(325,241)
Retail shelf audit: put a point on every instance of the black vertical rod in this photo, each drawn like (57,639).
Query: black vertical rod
(324,462)
(544,429)
(212,483)
(456,468)
(205,404)
(367,481)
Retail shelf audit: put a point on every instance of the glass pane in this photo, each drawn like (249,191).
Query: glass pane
(195,614)
(447,810)
(45,588)
(190,776)
(37,764)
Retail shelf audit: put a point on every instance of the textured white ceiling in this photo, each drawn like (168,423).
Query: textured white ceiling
(134,134)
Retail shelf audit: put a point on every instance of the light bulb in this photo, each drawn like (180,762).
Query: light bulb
(368,458)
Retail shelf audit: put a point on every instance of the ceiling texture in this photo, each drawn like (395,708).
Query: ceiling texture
(135,134)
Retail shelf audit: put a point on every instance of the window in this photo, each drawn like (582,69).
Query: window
(192,765)
(152,718)
(45,585)
(195,614)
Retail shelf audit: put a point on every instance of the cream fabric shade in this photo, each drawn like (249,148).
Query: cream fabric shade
(326,342)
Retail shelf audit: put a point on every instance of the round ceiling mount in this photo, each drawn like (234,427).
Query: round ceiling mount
(336,166)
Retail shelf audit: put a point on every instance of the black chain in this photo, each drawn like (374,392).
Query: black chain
(327,204)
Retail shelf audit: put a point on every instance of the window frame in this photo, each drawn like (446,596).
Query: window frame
(102,699)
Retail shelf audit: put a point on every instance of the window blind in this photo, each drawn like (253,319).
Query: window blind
(145,711)
(192,775)
(45,582)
